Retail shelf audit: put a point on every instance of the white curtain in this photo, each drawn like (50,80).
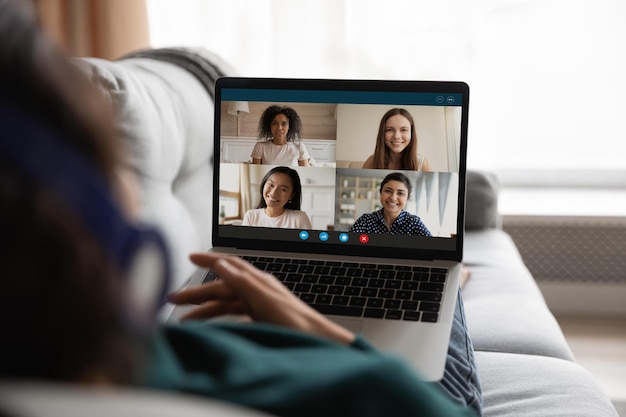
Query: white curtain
(546,76)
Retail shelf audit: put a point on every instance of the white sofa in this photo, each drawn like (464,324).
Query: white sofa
(166,119)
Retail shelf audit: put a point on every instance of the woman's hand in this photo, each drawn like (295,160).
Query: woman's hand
(243,289)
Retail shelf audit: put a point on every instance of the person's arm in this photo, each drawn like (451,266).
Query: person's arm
(425,165)
(305,221)
(244,289)
(257,153)
(304,156)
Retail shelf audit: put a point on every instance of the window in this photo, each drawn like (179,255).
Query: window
(546,77)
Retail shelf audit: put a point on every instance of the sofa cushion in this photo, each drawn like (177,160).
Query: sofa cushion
(36,399)
(165,119)
(481,207)
(525,385)
(505,309)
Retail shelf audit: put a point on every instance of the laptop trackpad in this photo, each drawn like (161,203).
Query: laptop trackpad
(353,325)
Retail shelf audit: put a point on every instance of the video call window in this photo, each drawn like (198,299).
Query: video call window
(335,190)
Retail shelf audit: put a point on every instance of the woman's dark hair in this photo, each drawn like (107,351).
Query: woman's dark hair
(58,291)
(400,177)
(265,122)
(381,152)
(296,201)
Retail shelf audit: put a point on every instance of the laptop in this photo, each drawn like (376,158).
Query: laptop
(397,290)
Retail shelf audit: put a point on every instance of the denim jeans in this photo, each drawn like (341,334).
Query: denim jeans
(460,379)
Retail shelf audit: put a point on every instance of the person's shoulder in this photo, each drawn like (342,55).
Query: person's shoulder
(369,162)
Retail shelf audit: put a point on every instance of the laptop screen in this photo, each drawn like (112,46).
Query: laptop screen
(349,167)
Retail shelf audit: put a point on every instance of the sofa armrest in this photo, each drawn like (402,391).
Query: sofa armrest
(481,207)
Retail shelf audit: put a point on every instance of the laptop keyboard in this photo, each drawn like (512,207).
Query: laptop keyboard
(382,291)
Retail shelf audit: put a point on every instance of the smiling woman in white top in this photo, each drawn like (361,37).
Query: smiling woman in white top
(279,205)
(280,129)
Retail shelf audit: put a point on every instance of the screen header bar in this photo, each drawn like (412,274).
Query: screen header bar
(351,97)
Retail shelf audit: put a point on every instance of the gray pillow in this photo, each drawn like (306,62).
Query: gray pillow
(481,207)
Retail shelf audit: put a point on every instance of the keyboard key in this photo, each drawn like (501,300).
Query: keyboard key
(335,289)
(352,291)
(437,277)
(403,294)
(430,317)
(294,278)
(302,287)
(421,276)
(338,310)
(369,292)
(392,304)
(371,273)
(404,275)
(376,283)
(426,296)
(431,286)
(411,315)
(323,299)
(357,301)
(359,282)
(341,300)
(306,269)
(310,279)
(409,305)
(387,274)
(345,281)
(319,289)
(410,285)
(338,271)
(385,293)
(430,307)
(393,314)
(374,302)
(327,279)
(374,313)
(321,270)
(393,284)
(353,272)
(307,298)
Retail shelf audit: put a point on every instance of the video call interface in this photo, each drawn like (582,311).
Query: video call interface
(364,168)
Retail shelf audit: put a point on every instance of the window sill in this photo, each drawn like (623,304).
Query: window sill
(554,201)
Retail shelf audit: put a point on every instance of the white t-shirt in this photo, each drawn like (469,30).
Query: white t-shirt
(290,219)
(287,154)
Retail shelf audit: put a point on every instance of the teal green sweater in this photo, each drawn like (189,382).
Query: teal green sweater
(288,373)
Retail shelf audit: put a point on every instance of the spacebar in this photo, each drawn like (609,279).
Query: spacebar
(338,310)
